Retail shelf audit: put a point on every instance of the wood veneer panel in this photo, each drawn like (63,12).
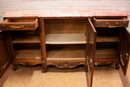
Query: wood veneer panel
(58,26)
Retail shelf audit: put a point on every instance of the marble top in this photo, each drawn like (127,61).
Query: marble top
(62,13)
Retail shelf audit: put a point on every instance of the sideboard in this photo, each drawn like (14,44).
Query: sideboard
(65,39)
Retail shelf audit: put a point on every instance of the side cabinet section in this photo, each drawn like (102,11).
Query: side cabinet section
(5,58)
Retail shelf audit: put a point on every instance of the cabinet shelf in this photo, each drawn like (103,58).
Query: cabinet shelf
(28,54)
(25,37)
(107,39)
(106,53)
(65,39)
(66,54)
(29,39)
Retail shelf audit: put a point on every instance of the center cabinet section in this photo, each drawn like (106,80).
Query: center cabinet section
(65,42)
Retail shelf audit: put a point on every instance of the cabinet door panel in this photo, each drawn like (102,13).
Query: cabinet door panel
(4,55)
(90,54)
(125,52)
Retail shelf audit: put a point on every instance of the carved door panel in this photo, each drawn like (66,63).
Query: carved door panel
(90,54)
(125,52)
(4,54)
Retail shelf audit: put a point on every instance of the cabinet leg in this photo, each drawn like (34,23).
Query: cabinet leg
(117,66)
(44,70)
(14,67)
(86,68)
(44,66)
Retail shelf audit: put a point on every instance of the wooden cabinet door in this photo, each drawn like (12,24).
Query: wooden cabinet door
(5,59)
(90,54)
(125,51)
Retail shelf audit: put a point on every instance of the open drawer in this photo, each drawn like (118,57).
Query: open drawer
(19,24)
(110,22)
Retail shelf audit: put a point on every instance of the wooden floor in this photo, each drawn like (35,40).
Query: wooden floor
(104,76)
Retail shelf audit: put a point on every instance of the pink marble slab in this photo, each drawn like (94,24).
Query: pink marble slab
(62,13)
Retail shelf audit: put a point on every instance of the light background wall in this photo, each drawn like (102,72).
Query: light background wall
(63,4)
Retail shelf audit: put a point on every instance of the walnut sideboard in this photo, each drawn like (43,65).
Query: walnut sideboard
(65,39)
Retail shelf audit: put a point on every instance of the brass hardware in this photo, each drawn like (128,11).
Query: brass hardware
(88,70)
(12,26)
(117,23)
(111,26)
(96,64)
(88,66)
(91,62)
(127,56)
(121,60)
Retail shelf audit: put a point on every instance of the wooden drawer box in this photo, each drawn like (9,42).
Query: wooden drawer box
(111,23)
(19,24)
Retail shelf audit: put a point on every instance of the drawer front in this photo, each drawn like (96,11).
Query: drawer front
(19,24)
(111,23)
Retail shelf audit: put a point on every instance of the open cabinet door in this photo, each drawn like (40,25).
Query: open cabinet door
(125,51)
(5,58)
(90,54)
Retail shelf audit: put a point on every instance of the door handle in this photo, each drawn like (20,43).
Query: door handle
(127,56)
(91,61)
(96,64)
(121,60)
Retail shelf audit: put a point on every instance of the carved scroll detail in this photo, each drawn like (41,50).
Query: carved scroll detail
(118,24)
(28,26)
(66,64)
